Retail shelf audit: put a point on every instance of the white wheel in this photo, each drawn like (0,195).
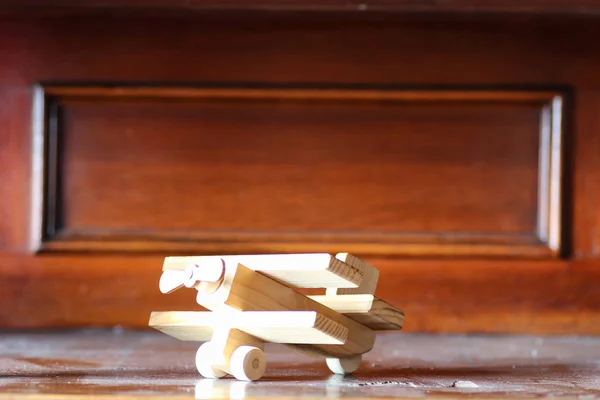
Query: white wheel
(204,359)
(344,366)
(247,363)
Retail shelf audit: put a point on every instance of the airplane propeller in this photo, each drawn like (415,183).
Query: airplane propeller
(208,270)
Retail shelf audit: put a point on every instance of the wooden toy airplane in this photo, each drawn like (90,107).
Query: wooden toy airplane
(251,301)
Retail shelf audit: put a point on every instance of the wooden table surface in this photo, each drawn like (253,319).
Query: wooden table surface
(147,364)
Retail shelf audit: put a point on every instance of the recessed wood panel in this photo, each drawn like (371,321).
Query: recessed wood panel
(405,172)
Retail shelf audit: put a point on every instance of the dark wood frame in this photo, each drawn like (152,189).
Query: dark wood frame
(52,237)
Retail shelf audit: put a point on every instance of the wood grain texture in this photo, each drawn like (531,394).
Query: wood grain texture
(290,169)
(457,294)
(15,155)
(305,327)
(585,215)
(243,289)
(95,364)
(307,270)
(365,309)
(370,274)
(558,297)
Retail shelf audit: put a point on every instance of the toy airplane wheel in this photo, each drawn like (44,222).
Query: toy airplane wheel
(344,366)
(247,363)
(204,362)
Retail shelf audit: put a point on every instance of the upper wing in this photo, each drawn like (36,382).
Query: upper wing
(311,270)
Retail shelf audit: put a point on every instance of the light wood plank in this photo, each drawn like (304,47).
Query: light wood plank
(365,309)
(270,326)
(243,289)
(310,270)
(369,272)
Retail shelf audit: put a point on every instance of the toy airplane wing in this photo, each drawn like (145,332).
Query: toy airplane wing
(313,270)
(288,327)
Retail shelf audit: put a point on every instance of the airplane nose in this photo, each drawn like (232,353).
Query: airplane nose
(208,270)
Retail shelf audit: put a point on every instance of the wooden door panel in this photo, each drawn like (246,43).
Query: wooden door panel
(457,154)
(387,172)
